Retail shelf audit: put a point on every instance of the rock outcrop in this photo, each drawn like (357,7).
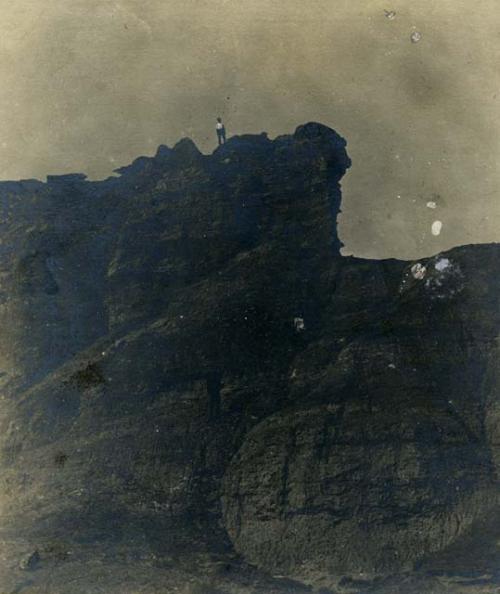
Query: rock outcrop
(195,378)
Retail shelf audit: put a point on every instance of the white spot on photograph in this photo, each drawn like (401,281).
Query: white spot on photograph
(418,271)
(436,227)
(442,264)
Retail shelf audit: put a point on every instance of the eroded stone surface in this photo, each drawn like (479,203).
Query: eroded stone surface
(193,377)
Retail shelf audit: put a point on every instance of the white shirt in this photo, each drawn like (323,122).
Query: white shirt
(219,126)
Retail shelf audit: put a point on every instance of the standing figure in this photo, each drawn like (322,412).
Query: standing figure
(221,131)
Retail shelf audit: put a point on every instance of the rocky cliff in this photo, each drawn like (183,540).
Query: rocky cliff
(201,395)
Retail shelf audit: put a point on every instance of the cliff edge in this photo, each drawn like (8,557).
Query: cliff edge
(201,395)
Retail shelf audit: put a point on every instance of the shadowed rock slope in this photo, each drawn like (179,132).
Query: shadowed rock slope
(201,395)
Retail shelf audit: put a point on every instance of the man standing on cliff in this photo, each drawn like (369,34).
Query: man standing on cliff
(221,131)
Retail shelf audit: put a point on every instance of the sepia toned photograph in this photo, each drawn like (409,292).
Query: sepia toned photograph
(249,297)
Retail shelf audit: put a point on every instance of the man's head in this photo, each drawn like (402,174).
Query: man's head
(219,120)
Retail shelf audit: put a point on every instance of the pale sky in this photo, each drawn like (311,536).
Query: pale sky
(89,85)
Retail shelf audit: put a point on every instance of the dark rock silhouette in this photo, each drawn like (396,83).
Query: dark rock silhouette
(222,387)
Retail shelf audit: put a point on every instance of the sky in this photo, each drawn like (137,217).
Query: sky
(89,85)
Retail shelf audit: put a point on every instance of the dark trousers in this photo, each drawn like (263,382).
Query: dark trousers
(221,135)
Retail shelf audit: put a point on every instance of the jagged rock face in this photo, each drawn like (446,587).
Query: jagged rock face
(383,457)
(389,461)
(270,202)
(52,262)
(344,490)
(202,370)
